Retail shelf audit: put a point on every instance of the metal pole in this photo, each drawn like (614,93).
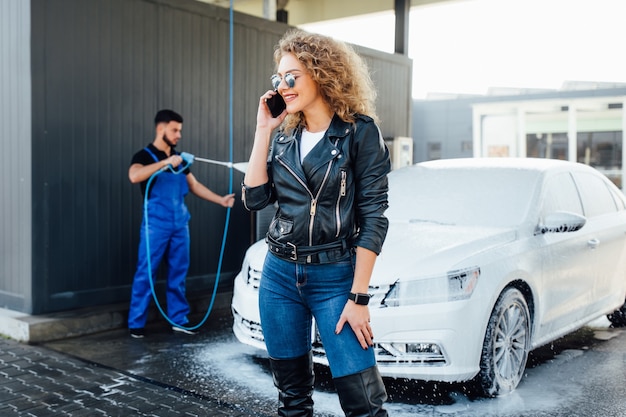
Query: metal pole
(402,8)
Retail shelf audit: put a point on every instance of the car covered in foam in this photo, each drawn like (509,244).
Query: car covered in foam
(485,259)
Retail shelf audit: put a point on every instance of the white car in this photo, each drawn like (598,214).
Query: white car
(485,260)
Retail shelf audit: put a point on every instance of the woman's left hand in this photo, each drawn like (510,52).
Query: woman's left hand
(358,317)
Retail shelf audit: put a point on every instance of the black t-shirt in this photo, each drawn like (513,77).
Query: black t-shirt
(144,157)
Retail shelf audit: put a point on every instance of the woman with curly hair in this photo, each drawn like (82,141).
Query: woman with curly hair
(326,168)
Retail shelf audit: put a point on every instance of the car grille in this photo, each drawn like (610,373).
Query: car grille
(251,328)
(387,354)
(253,277)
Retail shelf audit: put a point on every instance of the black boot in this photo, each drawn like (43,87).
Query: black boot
(362,394)
(295,380)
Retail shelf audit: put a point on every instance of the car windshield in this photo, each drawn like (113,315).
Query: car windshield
(461,196)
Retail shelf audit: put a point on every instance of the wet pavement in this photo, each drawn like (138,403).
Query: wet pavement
(111,374)
(211,374)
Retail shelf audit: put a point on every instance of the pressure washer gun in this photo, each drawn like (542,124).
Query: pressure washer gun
(187,161)
(187,158)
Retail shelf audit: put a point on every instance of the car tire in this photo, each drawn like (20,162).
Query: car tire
(506,345)
(618,317)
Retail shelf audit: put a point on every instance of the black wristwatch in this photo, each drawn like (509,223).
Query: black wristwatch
(359,298)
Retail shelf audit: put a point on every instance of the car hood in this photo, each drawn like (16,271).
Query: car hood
(417,249)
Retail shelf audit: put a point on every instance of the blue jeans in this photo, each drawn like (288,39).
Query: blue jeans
(291,294)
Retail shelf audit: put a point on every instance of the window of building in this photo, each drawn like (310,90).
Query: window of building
(547,145)
(603,151)
(434,150)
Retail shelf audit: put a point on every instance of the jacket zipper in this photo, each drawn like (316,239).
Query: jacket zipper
(243,197)
(313,207)
(342,193)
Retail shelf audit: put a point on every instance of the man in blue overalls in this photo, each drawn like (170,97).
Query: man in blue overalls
(168,222)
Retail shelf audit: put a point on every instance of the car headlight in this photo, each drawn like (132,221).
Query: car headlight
(455,285)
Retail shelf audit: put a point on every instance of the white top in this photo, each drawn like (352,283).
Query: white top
(308,142)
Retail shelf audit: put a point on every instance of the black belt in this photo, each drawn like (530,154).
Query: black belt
(329,252)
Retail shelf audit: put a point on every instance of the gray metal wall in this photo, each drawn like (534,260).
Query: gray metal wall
(100,70)
(447,123)
(15,168)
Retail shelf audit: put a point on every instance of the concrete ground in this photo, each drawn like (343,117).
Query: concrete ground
(38,380)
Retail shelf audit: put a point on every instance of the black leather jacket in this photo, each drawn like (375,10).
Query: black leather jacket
(338,193)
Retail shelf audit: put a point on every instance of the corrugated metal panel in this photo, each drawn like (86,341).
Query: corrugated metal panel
(15,169)
(101,69)
(392,75)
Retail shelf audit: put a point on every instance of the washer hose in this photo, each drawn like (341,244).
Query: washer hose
(188,160)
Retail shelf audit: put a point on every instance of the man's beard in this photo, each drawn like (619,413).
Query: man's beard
(166,140)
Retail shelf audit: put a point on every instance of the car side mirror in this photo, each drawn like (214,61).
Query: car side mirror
(561,222)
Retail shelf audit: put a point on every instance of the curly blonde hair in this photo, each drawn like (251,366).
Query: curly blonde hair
(341,74)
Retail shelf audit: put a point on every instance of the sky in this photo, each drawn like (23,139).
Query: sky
(469,46)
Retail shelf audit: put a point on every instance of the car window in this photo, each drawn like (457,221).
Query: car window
(596,196)
(618,197)
(561,194)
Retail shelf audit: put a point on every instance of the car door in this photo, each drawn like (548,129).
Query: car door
(607,219)
(567,260)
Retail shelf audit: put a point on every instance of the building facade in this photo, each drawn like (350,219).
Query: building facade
(581,123)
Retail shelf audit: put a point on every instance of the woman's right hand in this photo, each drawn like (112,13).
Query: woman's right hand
(264,117)
(256,174)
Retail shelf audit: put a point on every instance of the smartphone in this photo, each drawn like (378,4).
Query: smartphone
(276,104)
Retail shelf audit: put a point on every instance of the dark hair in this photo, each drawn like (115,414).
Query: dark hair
(166,116)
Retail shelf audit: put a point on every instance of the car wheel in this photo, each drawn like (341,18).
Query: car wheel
(506,345)
(618,317)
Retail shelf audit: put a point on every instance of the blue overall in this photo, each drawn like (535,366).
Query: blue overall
(168,232)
